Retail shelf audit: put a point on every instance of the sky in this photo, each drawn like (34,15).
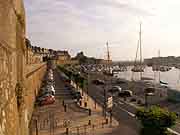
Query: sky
(86,25)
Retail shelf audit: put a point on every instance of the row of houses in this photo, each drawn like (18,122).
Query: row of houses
(169,60)
(35,55)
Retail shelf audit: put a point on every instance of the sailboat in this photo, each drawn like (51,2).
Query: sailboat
(138,67)
(164,83)
(158,67)
(159,70)
(108,68)
(120,68)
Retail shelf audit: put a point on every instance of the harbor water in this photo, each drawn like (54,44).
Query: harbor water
(171,77)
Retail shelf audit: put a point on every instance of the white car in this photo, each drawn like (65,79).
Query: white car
(50,75)
(50,87)
(50,78)
(115,89)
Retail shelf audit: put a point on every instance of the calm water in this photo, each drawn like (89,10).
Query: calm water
(172,77)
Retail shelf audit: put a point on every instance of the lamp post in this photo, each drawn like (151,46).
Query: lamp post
(146,103)
(148,92)
(87,85)
(37,130)
(35,118)
(104,102)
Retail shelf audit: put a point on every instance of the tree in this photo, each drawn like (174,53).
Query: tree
(81,58)
(155,120)
(76,77)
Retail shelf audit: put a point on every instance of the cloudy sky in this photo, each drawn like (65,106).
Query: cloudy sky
(87,25)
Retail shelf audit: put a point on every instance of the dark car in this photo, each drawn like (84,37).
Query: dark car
(98,82)
(121,81)
(125,93)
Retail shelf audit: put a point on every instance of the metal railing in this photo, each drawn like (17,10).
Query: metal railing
(54,125)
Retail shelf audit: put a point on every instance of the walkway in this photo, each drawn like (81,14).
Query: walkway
(54,120)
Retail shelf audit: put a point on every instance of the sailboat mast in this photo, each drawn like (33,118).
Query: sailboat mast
(108,57)
(140,49)
(159,66)
(140,45)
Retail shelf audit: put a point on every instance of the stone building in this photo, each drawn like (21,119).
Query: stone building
(29,52)
(19,79)
(63,57)
(34,54)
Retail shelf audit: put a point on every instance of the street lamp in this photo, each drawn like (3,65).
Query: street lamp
(148,92)
(104,104)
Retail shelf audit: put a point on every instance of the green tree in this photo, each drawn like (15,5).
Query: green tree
(76,77)
(155,120)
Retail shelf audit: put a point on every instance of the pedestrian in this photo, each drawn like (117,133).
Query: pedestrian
(63,103)
(89,112)
(65,108)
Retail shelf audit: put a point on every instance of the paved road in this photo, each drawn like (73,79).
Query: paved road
(121,111)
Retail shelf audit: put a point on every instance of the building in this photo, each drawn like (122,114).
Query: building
(35,55)
(29,52)
(63,57)
(170,60)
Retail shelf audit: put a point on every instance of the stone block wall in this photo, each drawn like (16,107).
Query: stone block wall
(17,84)
(33,83)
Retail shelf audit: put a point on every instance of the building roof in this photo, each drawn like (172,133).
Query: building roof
(62,53)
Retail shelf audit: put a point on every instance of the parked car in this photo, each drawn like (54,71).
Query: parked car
(119,81)
(50,87)
(50,70)
(44,97)
(47,101)
(115,89)
(47,89)
(50,83)
(50,78)
(44,92)
(98,82)
(133,100)
(125,93)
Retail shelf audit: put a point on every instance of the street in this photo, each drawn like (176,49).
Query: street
(119,109)
(123,111)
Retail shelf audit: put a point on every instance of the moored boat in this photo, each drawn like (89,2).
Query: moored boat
(137,69)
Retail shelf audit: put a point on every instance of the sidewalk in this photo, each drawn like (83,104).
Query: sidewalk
(54,120)
(87,101)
